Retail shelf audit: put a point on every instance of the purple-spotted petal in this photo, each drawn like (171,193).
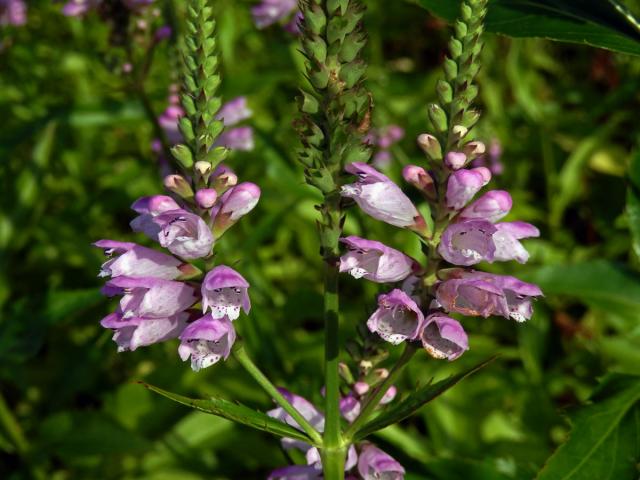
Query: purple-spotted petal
(134,332)
(206,341)
(184,233)
(397,318)
(224,292)
(468,242)
(443,337)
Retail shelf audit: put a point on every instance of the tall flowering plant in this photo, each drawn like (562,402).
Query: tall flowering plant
(183,291)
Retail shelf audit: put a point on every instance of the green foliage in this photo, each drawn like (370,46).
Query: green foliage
(606,24)
(237,413)
(604,443)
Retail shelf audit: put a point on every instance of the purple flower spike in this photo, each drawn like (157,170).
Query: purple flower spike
(150,297)
(206,341)
(375,464)
(375,261)
(444,337)
(234,204)
(491,206)
(467,243)
(464,184)
(380,198)
(507,239)
(206,197)
(224,291)
(239,138)
(234,111)
(137,261)
(13,12)
(133,332)
(296,472)
(397,318)
(184,233)
(272,11)
(455,160)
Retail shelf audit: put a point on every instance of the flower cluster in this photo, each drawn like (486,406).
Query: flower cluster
(364,461)
(269,12)
(382,139)
(463,232)
(231,114)
(13,12)
(161,295)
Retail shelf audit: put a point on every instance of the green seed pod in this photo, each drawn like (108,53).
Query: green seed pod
(450,69)
(455,47)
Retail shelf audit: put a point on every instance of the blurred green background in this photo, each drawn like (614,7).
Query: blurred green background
(75,153)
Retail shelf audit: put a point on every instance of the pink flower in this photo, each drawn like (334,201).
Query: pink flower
(137,261)
(444,337)
(233,205)
(382,199)
(375,464)
(206,341)
(375,261)
(397,318)
(464,184)
(491,206)
(225,291)
(467,243)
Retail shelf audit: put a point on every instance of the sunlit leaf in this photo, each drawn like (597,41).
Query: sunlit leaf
(604,443)
(236,412)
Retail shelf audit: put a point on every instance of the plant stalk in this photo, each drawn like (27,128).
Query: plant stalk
(332,434)
(241,356)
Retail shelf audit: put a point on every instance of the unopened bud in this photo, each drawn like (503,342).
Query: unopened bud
(223,178)
(361,388)
(459,131)
(420,178)
(203,168)
(206,197)
(430,145)
(178,185)
(474,149)
(235,203)
(438,118)
(455,160)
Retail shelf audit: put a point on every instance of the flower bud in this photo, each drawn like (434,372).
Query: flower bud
(235,203)
(420,178)
(430,145)
(459,131)
(206,197)
(455,160)
(361,388)
(203,169)
(473,149)
(178,185)
(223,179)
(438,118)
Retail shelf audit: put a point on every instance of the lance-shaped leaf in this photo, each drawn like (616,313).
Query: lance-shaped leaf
(604,443)
(236,412)
(414,402)
(599,23)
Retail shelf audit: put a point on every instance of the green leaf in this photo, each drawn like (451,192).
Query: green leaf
(633,203)
(235,412)
(599,23)
(600,283)
(604,443)
(414,402)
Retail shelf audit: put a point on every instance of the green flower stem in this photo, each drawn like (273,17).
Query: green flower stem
(373,399)
(332,434)
(241,356)
(333,460)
